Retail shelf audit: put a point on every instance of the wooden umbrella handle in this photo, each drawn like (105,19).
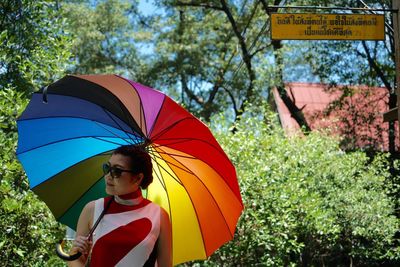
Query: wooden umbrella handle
(63,255)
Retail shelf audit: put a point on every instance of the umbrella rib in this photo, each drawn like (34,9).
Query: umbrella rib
(162,182)
(172,176)
(178,141)
(216,148)
(159,177)
(107,141)
(173,164)
(177,155)
(83,118)
(119,125)
(114,134)
(167,192)
(67,139)
(158,115)
(155,137)
(166,145)
(141,111)
(141,106)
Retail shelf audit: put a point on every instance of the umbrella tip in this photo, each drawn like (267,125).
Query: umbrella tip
(44,93)
(144,145)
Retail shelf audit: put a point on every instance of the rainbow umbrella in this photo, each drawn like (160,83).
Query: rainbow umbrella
(70,128)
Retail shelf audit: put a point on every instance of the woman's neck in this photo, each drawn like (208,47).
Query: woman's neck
(130,199)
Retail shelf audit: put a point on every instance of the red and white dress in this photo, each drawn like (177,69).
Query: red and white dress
(128,232)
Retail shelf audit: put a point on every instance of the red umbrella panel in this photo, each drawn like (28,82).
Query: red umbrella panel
(68,131)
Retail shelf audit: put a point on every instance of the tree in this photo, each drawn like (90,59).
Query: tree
(254,64)
(106,35)
(33,45)
(33,52)
(194,56)
(206,53)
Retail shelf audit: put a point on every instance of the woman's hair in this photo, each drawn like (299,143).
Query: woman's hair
(140,162)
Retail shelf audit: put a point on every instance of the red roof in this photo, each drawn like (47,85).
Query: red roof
(359,120)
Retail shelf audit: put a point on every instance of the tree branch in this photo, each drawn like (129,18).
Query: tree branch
(196,4)
(218,83)
(180,57)
(189,92)
(295,112)
(258,50)
(232,97)
(245,55)
(374,66)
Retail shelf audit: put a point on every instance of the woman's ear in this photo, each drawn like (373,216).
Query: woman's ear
(137,178)
(140,178)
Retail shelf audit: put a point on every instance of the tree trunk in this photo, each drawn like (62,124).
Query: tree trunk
(295,111)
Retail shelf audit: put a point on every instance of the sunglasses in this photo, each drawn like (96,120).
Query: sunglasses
(115,172)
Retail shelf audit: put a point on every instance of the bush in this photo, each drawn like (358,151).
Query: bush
(34,50)
(307,203)
(30,232)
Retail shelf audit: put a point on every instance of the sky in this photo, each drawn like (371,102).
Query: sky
(147,7)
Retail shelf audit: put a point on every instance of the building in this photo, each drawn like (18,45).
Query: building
(353,113)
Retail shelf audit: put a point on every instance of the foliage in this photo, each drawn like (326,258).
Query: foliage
(307,203)
(372,62)
(33,45)
(212,54)
(29,230)
(189,51)
(34,49)
(105,36)
(352,117)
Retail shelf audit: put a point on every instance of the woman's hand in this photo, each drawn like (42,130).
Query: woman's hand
(82,244)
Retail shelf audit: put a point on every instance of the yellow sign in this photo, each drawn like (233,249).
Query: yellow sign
(297,26)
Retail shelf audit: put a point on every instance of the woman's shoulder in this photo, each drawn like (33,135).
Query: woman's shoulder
(89,208)
(159,208)
(164,216)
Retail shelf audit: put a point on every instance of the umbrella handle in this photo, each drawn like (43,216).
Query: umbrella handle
(59,247)
(60,252)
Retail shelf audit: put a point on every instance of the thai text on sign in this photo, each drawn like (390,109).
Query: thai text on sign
(297,26)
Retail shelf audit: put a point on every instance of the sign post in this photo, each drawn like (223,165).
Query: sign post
(396,31)
(300,26)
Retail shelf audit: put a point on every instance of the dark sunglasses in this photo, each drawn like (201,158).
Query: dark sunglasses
(115,172)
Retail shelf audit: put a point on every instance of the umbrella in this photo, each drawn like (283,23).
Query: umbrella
(71,127)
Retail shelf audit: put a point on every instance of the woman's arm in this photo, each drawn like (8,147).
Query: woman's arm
(81,243)
(164,249)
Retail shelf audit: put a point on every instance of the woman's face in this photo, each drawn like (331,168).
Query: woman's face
(127,182)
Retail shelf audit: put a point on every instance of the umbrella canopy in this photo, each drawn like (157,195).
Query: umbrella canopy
(70,128)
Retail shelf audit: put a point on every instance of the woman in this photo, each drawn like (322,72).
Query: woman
(133,231)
